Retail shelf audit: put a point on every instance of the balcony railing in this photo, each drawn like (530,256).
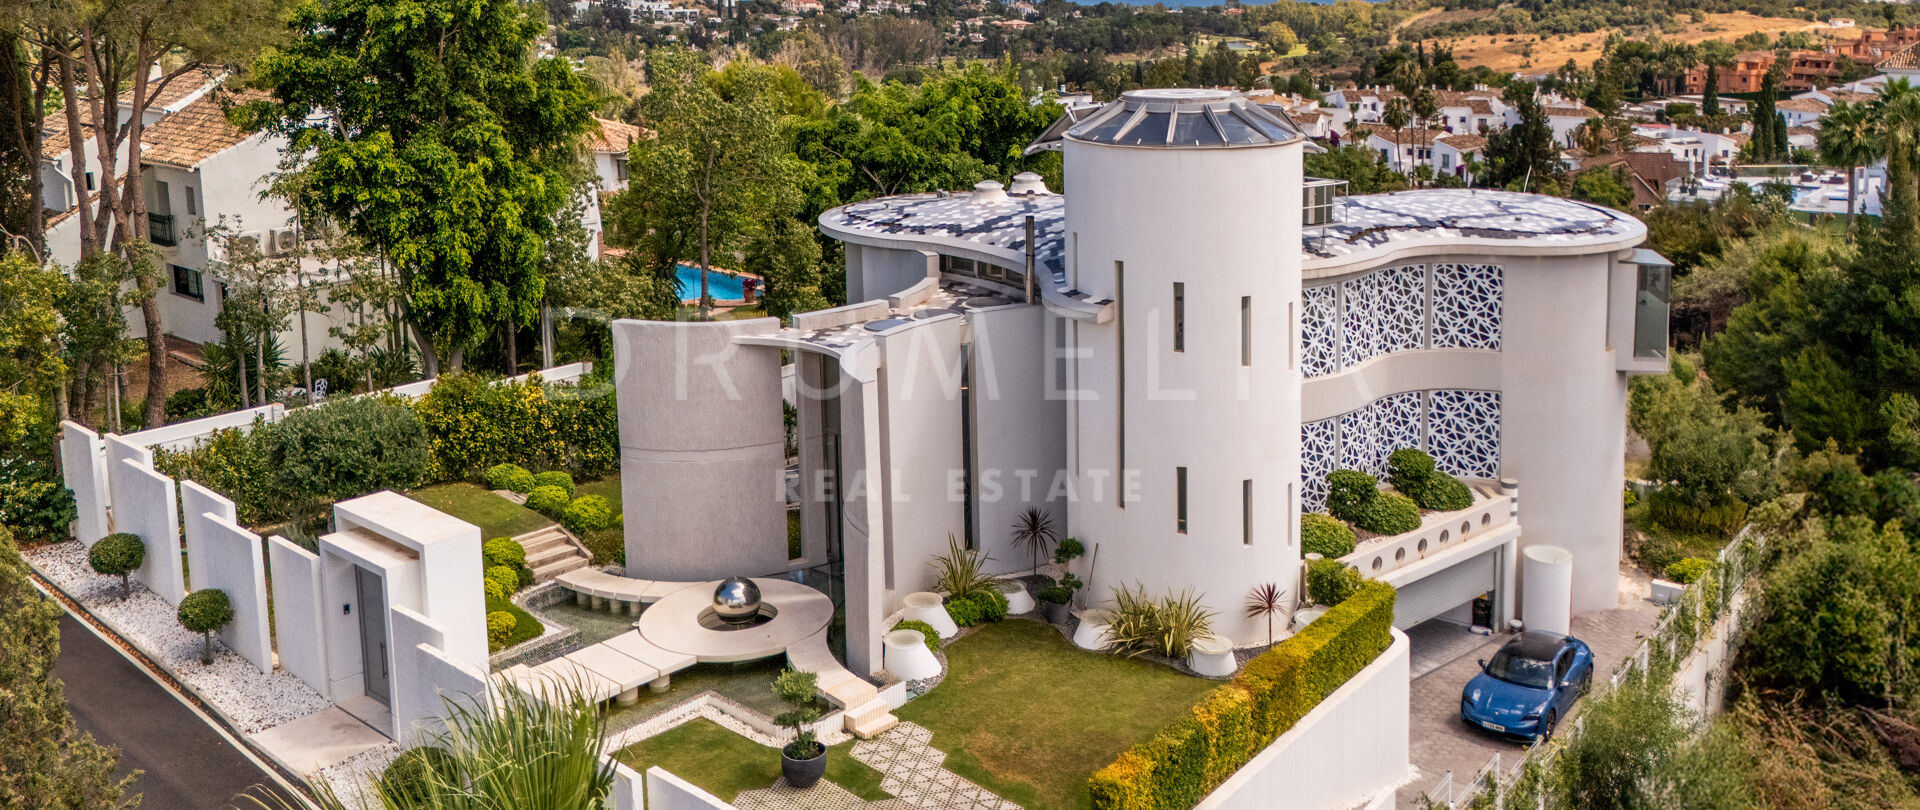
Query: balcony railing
(160,229)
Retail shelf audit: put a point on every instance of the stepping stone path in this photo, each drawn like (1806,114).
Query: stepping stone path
(909,769)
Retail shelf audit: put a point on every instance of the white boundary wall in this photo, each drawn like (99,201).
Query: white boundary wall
(196,503)
(296,612)
(425,678)
(629,787)
(1349,750)
(147,509)
(83,462)
(184,435)
(668,792)
(229,559)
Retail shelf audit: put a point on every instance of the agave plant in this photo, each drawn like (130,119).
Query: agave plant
(518,750)
(961,572)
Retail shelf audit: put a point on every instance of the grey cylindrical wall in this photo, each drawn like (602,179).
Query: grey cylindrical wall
(702,449)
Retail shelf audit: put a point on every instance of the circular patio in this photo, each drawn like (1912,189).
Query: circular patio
(674,623)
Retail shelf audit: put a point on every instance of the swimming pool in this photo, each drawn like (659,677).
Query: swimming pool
(721,285)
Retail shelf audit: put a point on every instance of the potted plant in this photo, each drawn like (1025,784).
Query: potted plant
(1058,598)
(804,760)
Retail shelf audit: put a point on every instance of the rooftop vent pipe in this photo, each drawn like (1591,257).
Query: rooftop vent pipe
(989,191)
(1028,183)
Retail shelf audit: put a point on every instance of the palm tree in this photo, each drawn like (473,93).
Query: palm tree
(1396,116)
(1848,139)
(1426,105)
(1034,529)
(1263,602)
(1896,114)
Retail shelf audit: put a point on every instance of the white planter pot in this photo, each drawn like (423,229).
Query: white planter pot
(1018,600)
(1092,632)
(1305,616)
(907,656)
(925,606)
(1212,656)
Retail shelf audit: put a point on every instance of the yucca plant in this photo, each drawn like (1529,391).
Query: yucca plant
(1166,626)
(961,572)
(521,751)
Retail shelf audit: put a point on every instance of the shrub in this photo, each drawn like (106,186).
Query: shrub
(549,500)
(1177,767)
(1068,550)
(964,612)
(500,625)
(933,636)
(1440,492)
(405,782)
(1330,582)
(800,690)
(555,478)
(1408,465)
(474,424)
(1389,513)
(1325,535)
(495,590)
(1167,626)
(503,551)
(205,611)
(992,604)
(506,576)
(1348,491)
(35,502)
(344,449)
(961,572)
(1689,570)
(510,477)
(587,513)
(118,555)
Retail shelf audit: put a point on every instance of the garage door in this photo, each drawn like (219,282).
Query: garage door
(1446,589)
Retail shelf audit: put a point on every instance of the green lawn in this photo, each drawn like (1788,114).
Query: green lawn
(1028,715)
(496,516)
(724,763)
(527,627)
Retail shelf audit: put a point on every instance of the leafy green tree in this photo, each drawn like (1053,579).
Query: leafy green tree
(787,255)
(1603,186)
(258,299)
(45,761)
(1361,167)
(1837,615)
(1523,155)
(205,611)
(1703,451)
(435,136)
(31,365)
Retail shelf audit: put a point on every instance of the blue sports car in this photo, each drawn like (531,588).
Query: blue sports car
(1529,685)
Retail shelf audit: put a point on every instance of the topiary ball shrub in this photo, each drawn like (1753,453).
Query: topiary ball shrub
(549,500)
(495,590)
(407,782)
(1348,492)
(1325,535)
(587,513)
(1439,492)
(510,477)
(506,576)
(992,604)
(1408,465)
(500,627)
(205,611)
(1330,582)
(1390,513)
(965,612)
(933,636)
(118,555)
(1689,570)
(503,551)
(555,478)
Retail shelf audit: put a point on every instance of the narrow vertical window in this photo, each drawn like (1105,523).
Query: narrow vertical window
(1179,316)
(1293,337)
(1246,512)
(1120,401)
(1180,499)
(89,181)
(1246,330)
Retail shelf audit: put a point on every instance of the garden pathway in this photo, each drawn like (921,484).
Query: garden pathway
(909,769)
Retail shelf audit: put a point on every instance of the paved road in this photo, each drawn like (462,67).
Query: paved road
(188,765)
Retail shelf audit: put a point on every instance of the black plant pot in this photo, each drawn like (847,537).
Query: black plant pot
(1057,614)
(802,773)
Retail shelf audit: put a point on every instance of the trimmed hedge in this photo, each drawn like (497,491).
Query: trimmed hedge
(503,551)
(555,478)
(1389,513)
(510,477)
(924,629)
(1348,491)
(1330,582)
(979,608)
(1178,767)
(549,500)
(500,627)
(1412,473)
(1325,535)
(587,513)
(1689,570)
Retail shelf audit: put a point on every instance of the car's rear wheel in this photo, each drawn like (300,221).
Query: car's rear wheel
(1547,724)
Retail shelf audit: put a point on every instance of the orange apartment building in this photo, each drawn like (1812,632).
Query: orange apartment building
(1807,70)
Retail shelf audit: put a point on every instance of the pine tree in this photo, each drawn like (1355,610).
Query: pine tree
(45,762)
(1711,105)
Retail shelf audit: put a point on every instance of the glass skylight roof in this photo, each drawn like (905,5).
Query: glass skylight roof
(1184,118)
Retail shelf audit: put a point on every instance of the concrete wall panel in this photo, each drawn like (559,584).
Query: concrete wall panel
(229,558)
(668,792)
(145,506)
(297,609)
(83,464)
(921,451)
(426,678)
(195,501)
(1019,429)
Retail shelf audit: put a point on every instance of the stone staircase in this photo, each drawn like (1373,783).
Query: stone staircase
(553,551)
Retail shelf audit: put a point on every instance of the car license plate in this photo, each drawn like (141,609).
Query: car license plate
(1494,726)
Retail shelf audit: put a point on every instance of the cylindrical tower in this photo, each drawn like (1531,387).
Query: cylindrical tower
(1184,207)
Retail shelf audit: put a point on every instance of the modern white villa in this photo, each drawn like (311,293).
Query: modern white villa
(1168,361)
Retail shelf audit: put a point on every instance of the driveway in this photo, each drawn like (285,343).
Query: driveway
(1440,741)
(188,765)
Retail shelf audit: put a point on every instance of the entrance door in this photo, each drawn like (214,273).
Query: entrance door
(372,599)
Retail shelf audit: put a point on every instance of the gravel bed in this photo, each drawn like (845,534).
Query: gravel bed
(252,702)
(351,780)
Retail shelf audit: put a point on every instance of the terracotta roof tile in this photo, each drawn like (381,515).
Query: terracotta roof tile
(1907,58)
(613,136)
(1463,142)
(1801,105)
(197,131)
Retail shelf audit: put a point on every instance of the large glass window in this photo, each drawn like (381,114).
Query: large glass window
(1651,294)
(968,268)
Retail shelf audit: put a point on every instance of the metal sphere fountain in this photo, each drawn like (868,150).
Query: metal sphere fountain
(737,601)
